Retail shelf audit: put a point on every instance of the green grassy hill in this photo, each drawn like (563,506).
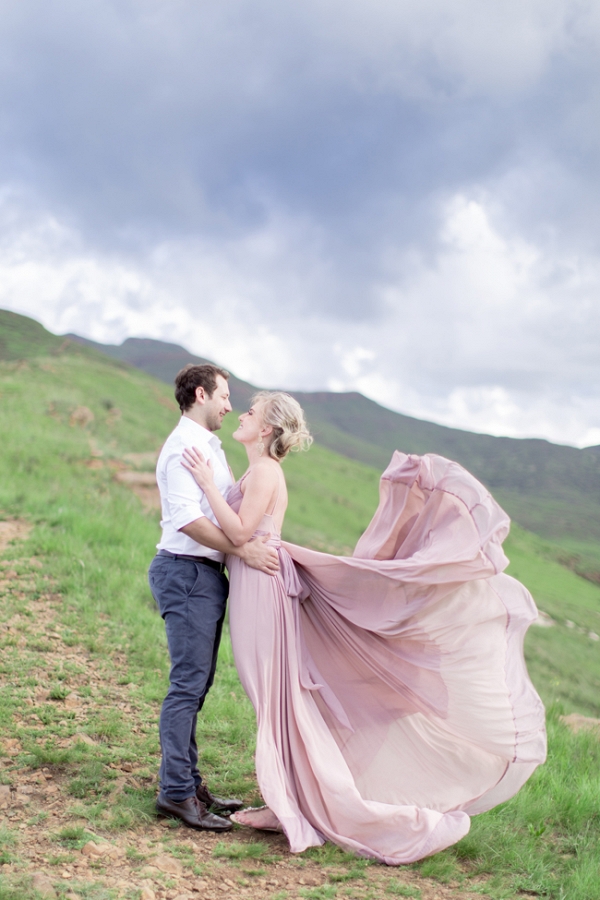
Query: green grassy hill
(70,420)
(549,489)
(61,412)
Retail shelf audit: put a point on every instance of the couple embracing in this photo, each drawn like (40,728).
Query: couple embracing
(390,688)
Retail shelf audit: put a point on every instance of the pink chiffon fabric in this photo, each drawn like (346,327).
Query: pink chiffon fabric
(390,688)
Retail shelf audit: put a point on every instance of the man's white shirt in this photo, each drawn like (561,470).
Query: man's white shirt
(182,500)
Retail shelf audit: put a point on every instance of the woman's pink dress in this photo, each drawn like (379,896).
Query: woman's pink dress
(390,687)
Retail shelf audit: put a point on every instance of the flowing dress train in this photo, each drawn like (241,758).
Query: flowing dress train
(390,687)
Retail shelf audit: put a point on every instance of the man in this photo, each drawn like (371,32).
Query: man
(190,588)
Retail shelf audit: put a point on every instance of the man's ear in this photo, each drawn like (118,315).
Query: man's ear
(200,395)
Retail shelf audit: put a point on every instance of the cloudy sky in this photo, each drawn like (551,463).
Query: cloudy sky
(395,196)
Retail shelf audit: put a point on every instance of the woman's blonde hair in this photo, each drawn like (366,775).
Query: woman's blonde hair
(286,417)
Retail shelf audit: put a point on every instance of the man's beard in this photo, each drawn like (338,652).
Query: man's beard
(213,422)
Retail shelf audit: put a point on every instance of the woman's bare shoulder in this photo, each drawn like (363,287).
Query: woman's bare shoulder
(263,474)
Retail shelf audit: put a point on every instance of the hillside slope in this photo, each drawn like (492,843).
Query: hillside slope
(82,414)
(84,667)
(549,489)
(110,410)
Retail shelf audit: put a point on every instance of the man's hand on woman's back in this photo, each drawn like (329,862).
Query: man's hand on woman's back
(258,555)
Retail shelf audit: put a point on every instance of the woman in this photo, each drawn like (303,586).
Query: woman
(390,688)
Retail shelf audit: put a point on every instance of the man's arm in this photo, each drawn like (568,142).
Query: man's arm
(187,516)
(255,554)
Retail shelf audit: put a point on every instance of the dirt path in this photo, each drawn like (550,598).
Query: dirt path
(50,839)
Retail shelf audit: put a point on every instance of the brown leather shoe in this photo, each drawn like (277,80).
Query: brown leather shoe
(192,813)
(225,806)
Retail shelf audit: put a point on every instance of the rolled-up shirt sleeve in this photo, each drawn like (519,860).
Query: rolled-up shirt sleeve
(183,494)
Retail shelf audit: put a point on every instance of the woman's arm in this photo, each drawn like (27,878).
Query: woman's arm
(256,554)
(260,485)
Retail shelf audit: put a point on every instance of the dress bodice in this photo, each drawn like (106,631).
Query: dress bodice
(266,524)
(287,573)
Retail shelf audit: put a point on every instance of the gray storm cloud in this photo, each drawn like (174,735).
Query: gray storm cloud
(396,197)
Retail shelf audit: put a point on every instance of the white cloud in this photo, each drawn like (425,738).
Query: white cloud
(469,47)
(488,336)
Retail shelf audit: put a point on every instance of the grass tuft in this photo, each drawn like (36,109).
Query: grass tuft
(402,890)
(323,892)
(236,850)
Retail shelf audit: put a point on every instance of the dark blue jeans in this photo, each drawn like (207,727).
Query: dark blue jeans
(191,598)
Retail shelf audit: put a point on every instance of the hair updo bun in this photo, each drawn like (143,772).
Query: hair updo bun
(286,417)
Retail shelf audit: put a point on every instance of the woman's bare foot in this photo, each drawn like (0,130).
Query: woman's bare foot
(260,817)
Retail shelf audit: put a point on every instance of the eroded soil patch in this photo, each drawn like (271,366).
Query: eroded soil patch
(13,530)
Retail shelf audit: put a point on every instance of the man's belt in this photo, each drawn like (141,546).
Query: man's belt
(205,560)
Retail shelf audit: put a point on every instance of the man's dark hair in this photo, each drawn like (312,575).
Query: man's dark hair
(192,377)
